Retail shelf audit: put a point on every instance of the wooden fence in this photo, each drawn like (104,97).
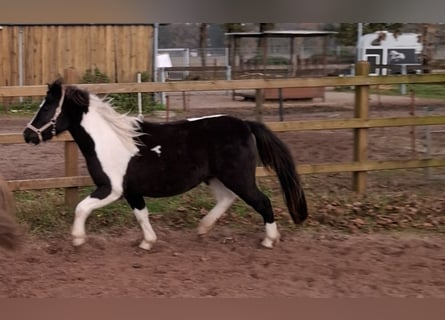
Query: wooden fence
(36,54)
(359,124)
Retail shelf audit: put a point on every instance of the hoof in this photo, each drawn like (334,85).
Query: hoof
(146,245)
(78,241)
(203,230)
(269,243)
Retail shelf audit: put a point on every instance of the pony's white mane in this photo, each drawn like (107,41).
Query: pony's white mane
(125,126)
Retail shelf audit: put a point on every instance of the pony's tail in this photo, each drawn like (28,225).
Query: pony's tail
(274,154)
(10,235)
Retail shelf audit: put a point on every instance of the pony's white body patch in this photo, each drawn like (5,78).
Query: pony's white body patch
(205,117)
(114,149)
(157,150)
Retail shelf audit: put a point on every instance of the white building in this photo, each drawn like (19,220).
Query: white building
(383,48)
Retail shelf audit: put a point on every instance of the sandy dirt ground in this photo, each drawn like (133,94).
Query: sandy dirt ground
(229,262)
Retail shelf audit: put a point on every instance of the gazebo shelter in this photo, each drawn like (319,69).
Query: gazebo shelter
(262,64)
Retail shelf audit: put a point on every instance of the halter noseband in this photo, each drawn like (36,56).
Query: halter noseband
(51,122)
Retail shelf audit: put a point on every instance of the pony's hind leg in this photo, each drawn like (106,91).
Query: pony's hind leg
(261,203)
(245,187)
(140,211)
(224,199)
(83,210)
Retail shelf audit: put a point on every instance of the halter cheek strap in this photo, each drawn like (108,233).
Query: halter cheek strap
(51,122)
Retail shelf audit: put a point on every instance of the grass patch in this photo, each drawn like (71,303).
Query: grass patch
(335,208)
(436,91)
(429,91)
(44,212)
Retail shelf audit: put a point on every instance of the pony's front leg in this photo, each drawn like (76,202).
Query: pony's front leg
(147,229)
(83,210)
(140,211)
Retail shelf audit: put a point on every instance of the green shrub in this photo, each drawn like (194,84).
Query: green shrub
(94,76)
(124,102)
(27,106)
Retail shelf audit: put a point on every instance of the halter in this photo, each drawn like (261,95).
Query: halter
(51,122)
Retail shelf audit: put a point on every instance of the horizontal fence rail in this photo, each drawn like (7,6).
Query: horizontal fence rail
(355,123)
(177,86)
(81,181)
(85,181)
(306,125)
(360,123)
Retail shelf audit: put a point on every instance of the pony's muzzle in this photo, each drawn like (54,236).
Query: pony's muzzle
(31,137)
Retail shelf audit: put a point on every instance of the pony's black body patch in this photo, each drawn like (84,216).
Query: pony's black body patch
(191,152)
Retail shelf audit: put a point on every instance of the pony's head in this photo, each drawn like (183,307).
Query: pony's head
(61,106)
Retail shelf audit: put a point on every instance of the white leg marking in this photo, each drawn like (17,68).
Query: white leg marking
(82,211)
(149,234)
(272,235)
(224,199)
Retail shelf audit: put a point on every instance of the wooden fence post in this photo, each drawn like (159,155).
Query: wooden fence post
(361,111)
(71,76)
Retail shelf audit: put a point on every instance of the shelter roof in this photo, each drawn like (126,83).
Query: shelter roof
(282,34)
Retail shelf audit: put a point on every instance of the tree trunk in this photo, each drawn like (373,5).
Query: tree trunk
(203,43)
(429,31)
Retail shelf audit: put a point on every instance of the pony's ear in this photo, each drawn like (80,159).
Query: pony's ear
(56,87)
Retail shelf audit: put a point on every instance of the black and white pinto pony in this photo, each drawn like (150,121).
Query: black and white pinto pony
(130,158)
